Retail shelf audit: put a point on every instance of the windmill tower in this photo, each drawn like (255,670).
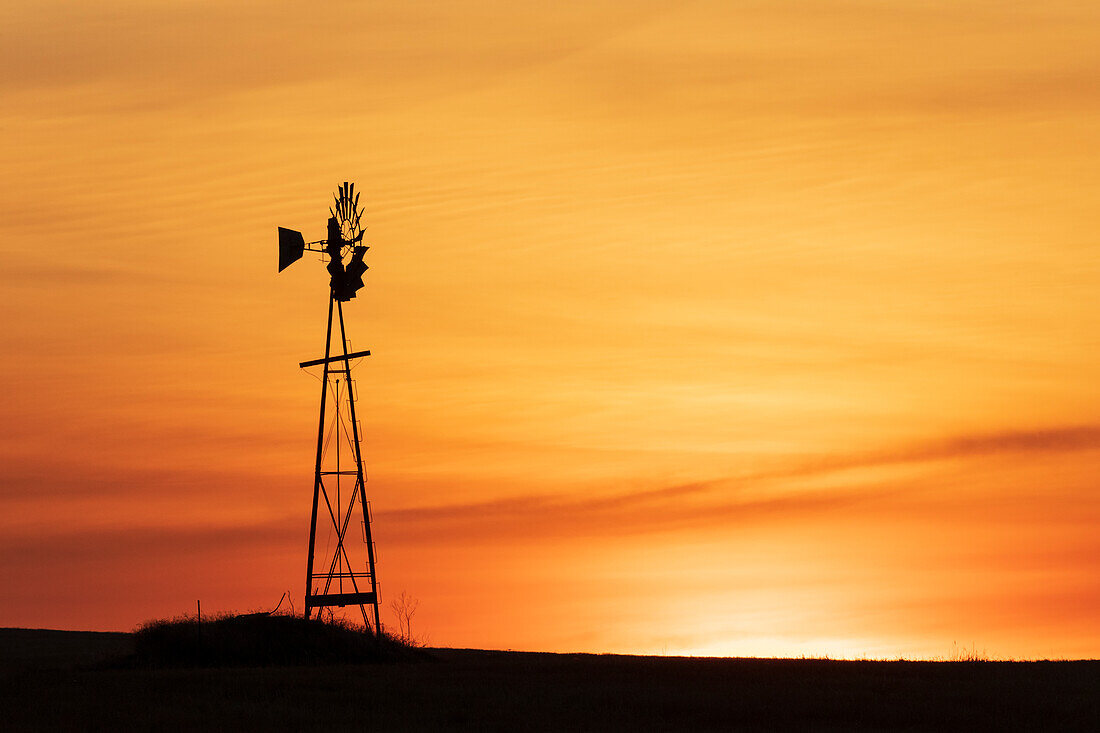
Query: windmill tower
(340,564)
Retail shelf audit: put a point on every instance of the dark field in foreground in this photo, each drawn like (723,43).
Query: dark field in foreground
(50,681)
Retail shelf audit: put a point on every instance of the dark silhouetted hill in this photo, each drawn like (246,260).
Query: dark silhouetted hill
(469,689)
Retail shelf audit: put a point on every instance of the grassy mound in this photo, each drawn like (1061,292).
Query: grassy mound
(261,640)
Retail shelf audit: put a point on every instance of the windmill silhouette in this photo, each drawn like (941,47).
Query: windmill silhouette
(342,572)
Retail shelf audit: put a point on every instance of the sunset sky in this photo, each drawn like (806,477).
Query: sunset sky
(735,328)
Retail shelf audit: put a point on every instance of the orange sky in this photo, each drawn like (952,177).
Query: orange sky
(752,328)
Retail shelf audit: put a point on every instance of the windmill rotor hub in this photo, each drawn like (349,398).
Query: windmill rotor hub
(343,240)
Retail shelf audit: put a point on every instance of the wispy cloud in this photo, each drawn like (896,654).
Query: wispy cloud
(121,545)
(1069,438)
(719,503)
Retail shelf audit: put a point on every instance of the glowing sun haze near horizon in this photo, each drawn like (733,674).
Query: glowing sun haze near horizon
(740,328)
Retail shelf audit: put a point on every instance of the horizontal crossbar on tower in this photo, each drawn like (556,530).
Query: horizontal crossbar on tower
(340,599)
(339,357)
